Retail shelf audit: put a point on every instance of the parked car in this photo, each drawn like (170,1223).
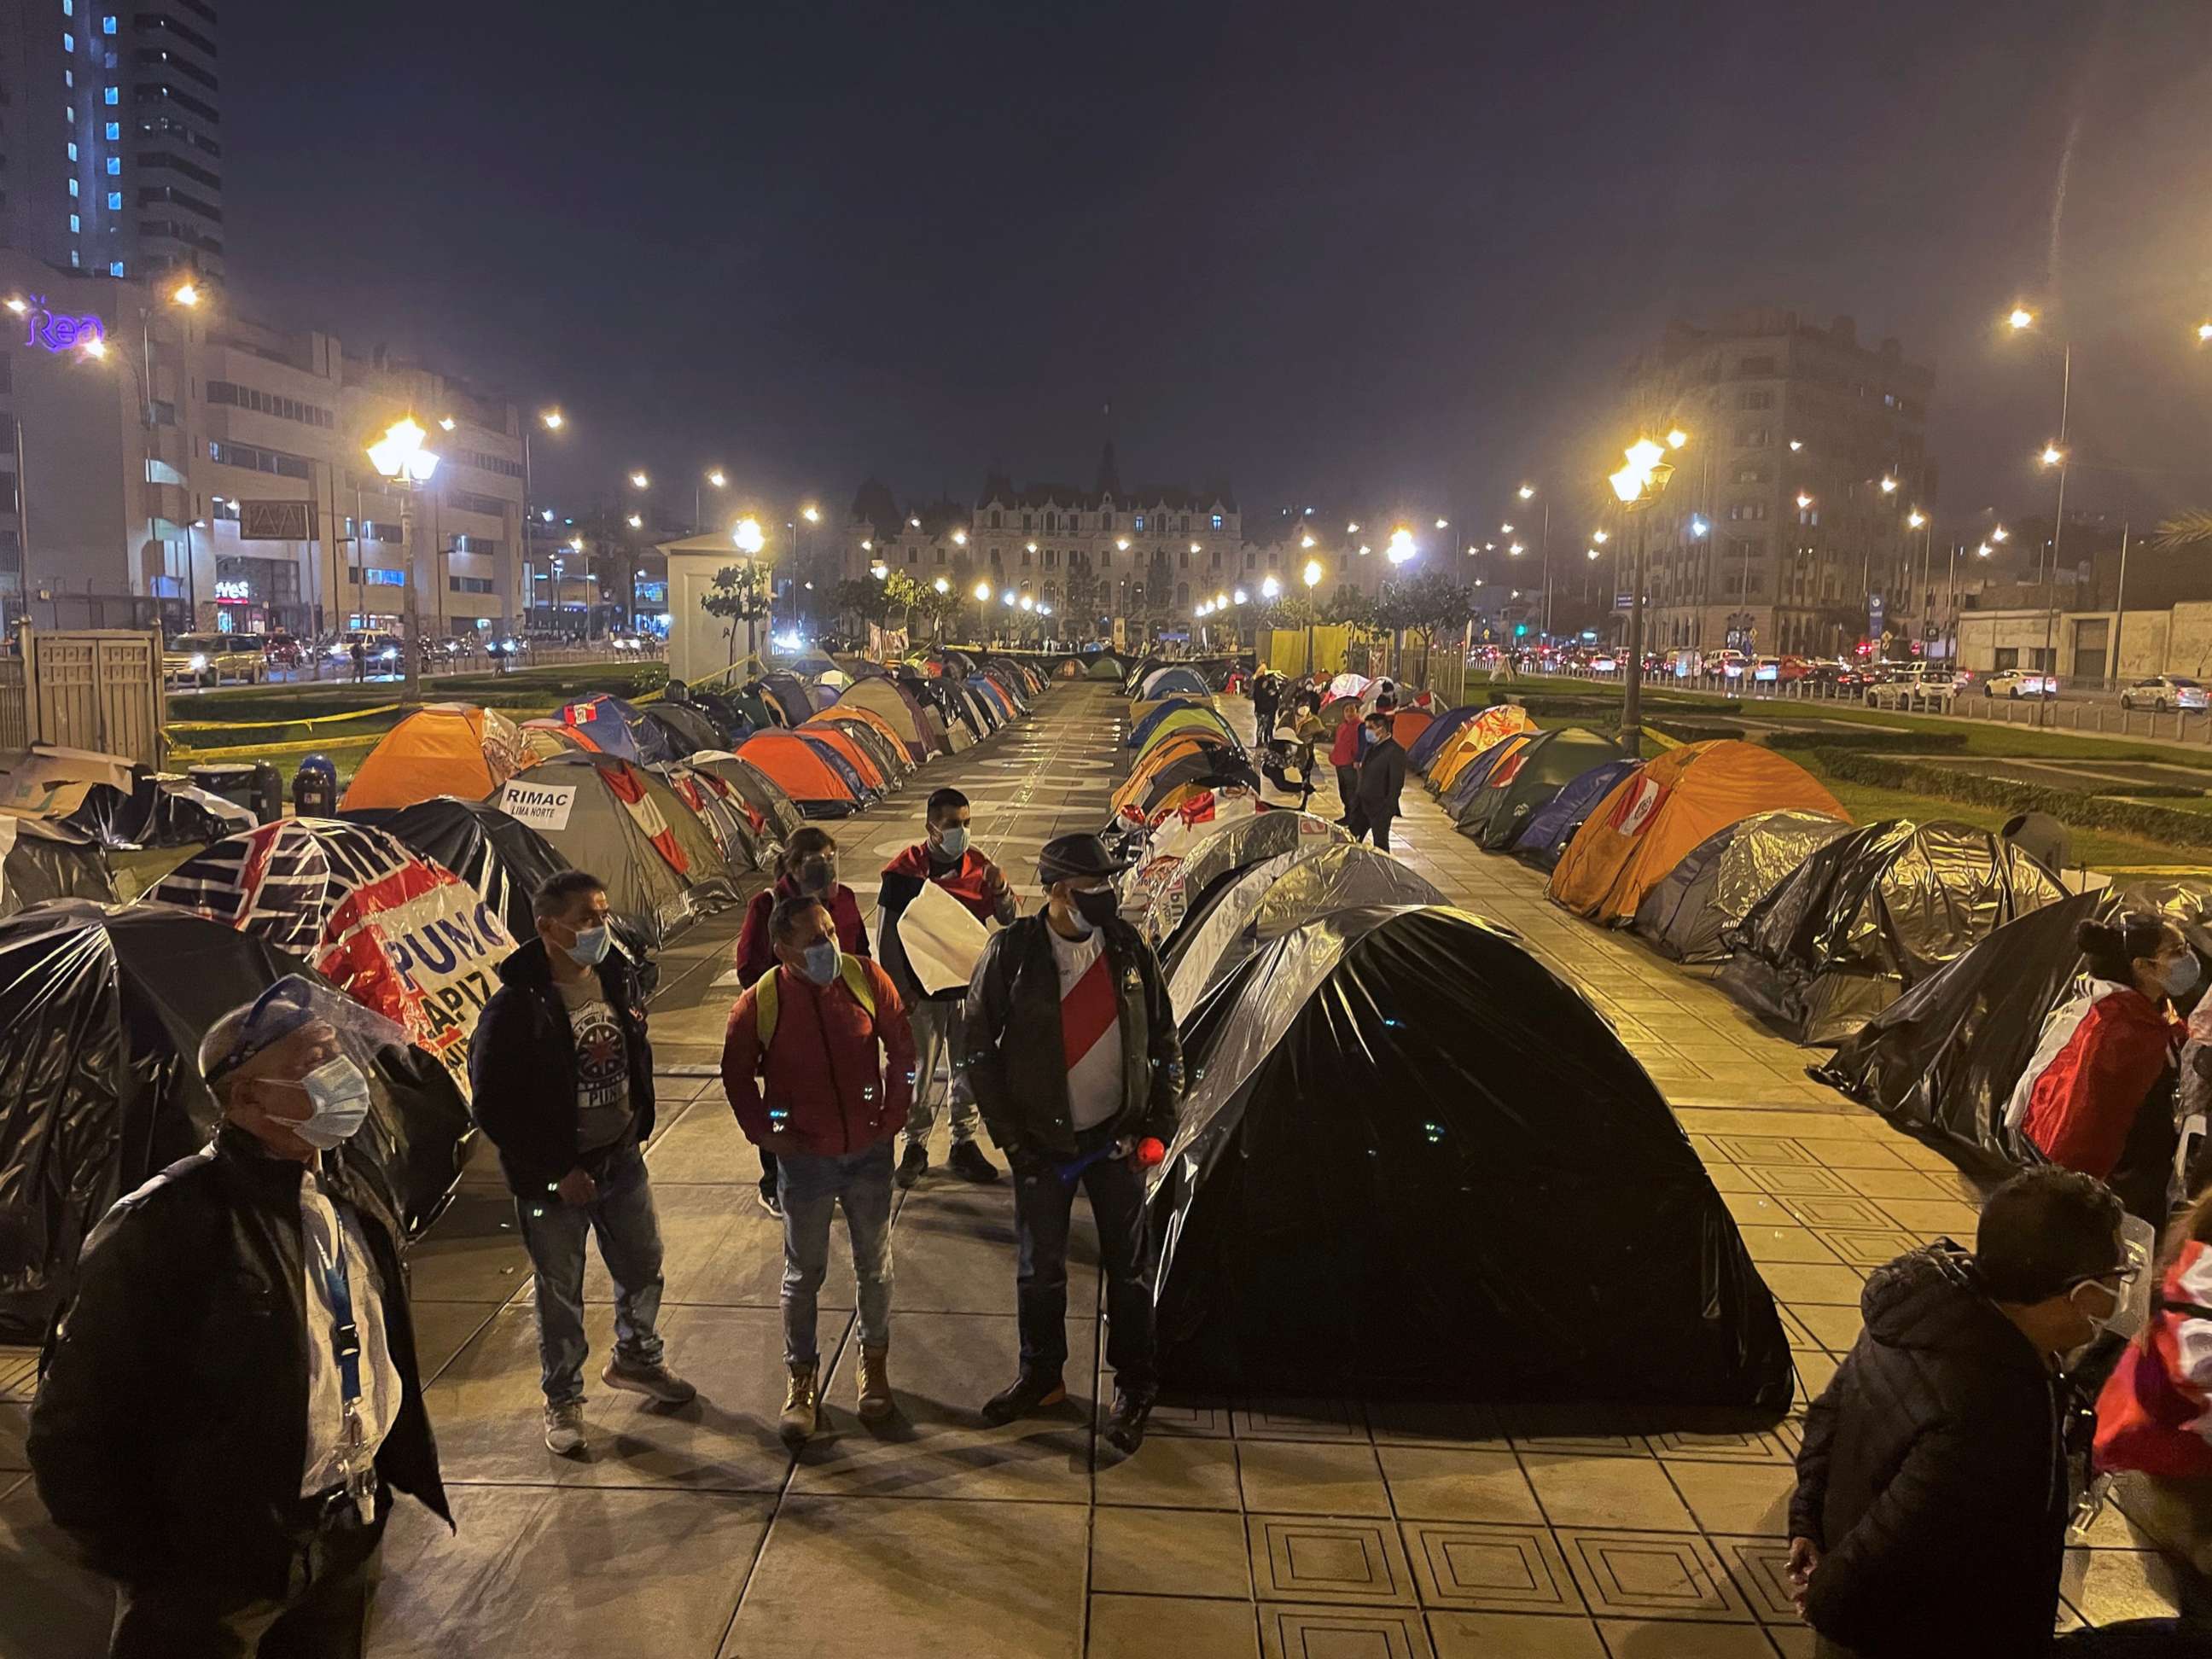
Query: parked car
(382,649)
(1911,685)
(2021,683)
(283,651)
(2165,693)
(209,660)
(1728,664)
(1604,663)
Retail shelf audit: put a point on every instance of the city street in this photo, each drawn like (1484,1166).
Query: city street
(1292,1529)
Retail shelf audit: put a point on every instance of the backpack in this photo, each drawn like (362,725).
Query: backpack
(765,998)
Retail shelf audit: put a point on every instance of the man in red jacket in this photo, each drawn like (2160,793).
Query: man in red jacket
(809,866)
(816,1064)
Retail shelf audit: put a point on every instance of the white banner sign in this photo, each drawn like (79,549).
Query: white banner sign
(540,806)
(943,939)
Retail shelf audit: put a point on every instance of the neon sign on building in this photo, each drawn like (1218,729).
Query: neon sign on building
(59,333)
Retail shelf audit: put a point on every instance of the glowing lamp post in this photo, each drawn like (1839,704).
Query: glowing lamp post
(1311,576)
(401,460)
(1636,485)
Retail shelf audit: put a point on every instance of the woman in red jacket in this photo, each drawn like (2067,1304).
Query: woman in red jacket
(2091,1097)
(809,866)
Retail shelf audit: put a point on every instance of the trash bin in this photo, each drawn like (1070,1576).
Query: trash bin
(315,788)
(268,802)
(232,780)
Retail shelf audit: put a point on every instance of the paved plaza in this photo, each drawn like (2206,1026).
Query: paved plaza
(1314,1528)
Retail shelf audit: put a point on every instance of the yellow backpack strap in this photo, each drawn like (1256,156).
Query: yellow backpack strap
(851,970)
(855,976)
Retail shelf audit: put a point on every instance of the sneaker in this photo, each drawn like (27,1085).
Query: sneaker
(1125,1428)
(802,1406)
(770,1200)
(968,1163)
(1028,1393)
(913,1164)
(565,1428)
(876,1403)
(656,1381)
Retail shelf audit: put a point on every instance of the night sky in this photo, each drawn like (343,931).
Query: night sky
(1342,252)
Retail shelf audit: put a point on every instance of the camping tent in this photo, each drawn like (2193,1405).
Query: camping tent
(1540,765)
(1175,746)
(1544,839)
(1874,912)
(788,692)
(1688,913)
(394,931)
(900,712)
(1686,916)
(1107,666)
(845,756)
(1173,681)
(1141,731)
(684,729)
(882,747)
(1483,733)
(1943,1058)
(1415,1164)
(1650,822)
(674,829)
(797,768)
(1456,796)
(1423,750)
(1160,891)
(587,817)
(730,722)
(774,814)
(441,748)
(1408,726)
(718,811)
(1213,767)
(102,1009)
(546,739)
(608,726)
(505,861)
(1243,908)
(42,859)
(1186,719)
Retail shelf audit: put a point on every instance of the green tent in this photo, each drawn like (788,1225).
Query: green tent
(1106,666)
(1184,720)
(1526,780)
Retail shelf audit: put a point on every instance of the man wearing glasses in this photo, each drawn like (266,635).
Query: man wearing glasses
(1933,1494)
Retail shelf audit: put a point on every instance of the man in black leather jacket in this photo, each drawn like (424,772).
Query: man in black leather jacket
(1071,1051)
(190,1433)
(1932,1488)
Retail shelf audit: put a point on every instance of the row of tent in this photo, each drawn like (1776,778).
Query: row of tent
(1185,757)
(408,901)
(1729,853)
(1413,1162)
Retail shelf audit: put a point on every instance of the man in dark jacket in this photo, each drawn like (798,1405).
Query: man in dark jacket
(233,1395)
(1932,1492)
(1381,776)
(816,1063)
(1072,1052)
(943,858)
(1266,698)
(562,1079)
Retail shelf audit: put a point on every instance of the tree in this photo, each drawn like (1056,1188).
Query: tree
(739,594)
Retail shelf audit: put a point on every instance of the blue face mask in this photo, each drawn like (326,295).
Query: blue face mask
(820,964)
(337,1102)
(953,841)
(591,946)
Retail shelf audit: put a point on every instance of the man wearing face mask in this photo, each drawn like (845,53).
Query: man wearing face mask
(1932,1485)
(1072,1053)
(816,1063)
(562,1079)
(809,866)
(233,1397)
(945,858)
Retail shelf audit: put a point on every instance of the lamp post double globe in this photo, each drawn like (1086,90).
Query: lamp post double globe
(405,462)
(1636,486)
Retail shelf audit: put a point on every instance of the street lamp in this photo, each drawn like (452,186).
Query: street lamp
(1401,546)
(401,460)
(2054,455)
(747,537)
(1270,588)
(640,480)
(1636,485)
(1311,575)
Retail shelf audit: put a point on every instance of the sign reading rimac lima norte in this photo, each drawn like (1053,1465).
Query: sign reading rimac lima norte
(275,522)
(540,806)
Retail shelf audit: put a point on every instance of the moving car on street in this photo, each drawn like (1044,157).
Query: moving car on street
(1911,685)
(209,660)
(2165,693)
(2025,683)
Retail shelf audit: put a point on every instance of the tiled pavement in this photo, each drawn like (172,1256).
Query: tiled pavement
(1275,1529)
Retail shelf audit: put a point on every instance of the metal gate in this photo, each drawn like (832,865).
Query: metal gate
(14,706)
(99,689)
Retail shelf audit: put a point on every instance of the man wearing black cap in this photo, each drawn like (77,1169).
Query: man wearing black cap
(1071,1051)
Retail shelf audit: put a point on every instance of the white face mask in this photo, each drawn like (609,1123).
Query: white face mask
(337,1102)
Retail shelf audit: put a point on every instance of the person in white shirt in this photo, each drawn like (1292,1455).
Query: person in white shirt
(233,1395)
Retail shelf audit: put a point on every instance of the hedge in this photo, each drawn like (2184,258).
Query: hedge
(1573,708)
(1869,739)
(1694,731)
(2166,824)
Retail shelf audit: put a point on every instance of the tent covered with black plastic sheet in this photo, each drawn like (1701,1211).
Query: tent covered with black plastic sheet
(1687,915)
(1241,909)
(1158,898)
(158,811)
(1442,728)
(503,859)
(1413,1163)
(43,858)
(1871,914)
(731,724)
(102,1008)
(684,729)
(1521,782)
(1553,825)
(1942,1059)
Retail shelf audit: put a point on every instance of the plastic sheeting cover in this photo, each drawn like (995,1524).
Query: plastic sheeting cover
(1727,873)
(1167,893)
(1415,1164)
(41,861)
(1872,913)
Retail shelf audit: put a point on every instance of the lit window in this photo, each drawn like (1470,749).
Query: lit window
(114,201)
(114,166)
(74,226)
(69,43)
(115,267)
(112,96)
(1216,522)
(114,130)
(69,8)
(72,151)
(72,186)
(107,26)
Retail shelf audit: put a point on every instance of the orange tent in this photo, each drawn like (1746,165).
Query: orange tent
(843,713)
(1654,818)
(442,748)
(1166,749)
(1408,724)
(860,761)
(1493,726)
(794,766)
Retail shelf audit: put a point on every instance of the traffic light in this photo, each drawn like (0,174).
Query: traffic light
(1520,630)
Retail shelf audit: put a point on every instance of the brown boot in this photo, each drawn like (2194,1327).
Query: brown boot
(802,1406)
(875,1385)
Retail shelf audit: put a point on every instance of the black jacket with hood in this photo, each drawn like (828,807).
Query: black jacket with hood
(171,1429)
(1014,1058)
(1934,1474)
(522,1068)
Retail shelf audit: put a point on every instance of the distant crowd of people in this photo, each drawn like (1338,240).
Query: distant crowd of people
(1370,762)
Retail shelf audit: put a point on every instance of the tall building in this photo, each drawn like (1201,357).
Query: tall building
(113,136)
(1787,526)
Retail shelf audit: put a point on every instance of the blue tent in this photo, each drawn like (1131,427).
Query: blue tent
(612,726)
(1439,732)
(994,698)
(1145,728)
(1174,682)
(1544,838)
(863,791)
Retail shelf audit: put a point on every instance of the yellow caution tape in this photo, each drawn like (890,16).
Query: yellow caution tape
(308,720)
(1662,739)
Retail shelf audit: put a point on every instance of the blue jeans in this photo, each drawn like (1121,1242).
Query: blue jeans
(1042,1203)
(812,1187)
(629,1243)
